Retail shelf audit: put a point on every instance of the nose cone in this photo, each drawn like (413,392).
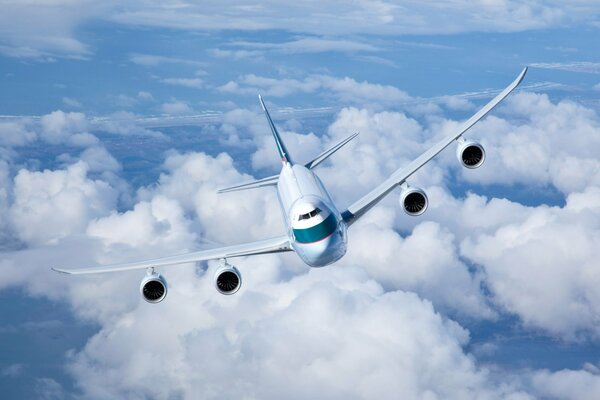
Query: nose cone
(323,252)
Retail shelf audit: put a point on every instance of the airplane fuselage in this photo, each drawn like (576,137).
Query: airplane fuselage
(316,229)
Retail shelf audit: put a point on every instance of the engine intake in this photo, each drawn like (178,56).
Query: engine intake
(413,201)
(470,154)
(228,279)
(154,288)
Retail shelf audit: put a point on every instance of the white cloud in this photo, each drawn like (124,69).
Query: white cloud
(58,126)
(574,66)
(17,133)
(50,205)
(176,107)
(71,102)
(195,83)
(565,384)
(152,60)
(309,45)
(541,267)
(345,89)
(52,25)
(341,18)
(333,327)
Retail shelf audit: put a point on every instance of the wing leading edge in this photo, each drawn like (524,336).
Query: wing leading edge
(274,245)
(398,177)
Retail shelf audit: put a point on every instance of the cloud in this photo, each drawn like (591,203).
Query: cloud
(152,60)
(345,89)
(17,133)
(340,18)
(49,31)
(333,327)
(70,102)
(575,66)
(176,107)
(541,266)
(195,83)
(58,126)
(54,25)
(309,45)
(50,205)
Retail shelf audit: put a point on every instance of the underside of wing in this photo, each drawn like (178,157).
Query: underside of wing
(399,176)
(273,245)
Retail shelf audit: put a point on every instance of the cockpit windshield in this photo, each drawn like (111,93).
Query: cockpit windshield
(309,215)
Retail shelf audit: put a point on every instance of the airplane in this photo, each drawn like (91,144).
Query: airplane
(316,228)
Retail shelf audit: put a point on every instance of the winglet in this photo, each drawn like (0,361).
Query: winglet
(283,153)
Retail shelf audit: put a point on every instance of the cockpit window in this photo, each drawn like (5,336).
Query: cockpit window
(308,215)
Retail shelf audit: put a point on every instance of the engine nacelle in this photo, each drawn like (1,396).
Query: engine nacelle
(413,201)
(228,279)
(470,154)
(154,288)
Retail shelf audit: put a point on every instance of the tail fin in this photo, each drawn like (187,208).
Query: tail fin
(283,153)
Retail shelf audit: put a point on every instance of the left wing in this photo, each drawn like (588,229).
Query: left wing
(397,178)
(274,245)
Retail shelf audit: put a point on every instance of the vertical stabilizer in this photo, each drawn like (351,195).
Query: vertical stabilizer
(283,153)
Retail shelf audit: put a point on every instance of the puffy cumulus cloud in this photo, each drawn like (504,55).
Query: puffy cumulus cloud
(333,327)
(17,133)
(159,221)
(538,143)
(58,126)
(387,141)
(425,261)
(305,149)
(543,267)
(50,205)
(567,384)
(193,179)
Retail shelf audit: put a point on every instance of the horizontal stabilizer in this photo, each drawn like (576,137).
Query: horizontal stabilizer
(269,181)
(327,153)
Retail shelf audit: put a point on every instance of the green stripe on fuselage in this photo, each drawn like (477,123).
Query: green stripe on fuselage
(317,232)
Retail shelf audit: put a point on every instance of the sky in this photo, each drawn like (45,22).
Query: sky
(120,120)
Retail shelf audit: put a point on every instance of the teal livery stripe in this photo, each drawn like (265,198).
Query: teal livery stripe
(317,232)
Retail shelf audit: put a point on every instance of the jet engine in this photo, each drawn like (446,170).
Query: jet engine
(228,279)
(470,154)
(413,201)
(154,288)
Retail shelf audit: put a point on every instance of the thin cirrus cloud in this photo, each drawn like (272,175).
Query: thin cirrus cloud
(53,27)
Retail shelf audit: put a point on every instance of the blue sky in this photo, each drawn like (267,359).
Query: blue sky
(119,121)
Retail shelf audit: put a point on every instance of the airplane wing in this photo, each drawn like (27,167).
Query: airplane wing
(268,181)
(399,176)
(274,245)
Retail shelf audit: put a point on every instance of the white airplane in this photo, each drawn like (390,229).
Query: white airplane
(316,229)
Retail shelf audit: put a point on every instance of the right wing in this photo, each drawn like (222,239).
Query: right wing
(397,178)
(274,245)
